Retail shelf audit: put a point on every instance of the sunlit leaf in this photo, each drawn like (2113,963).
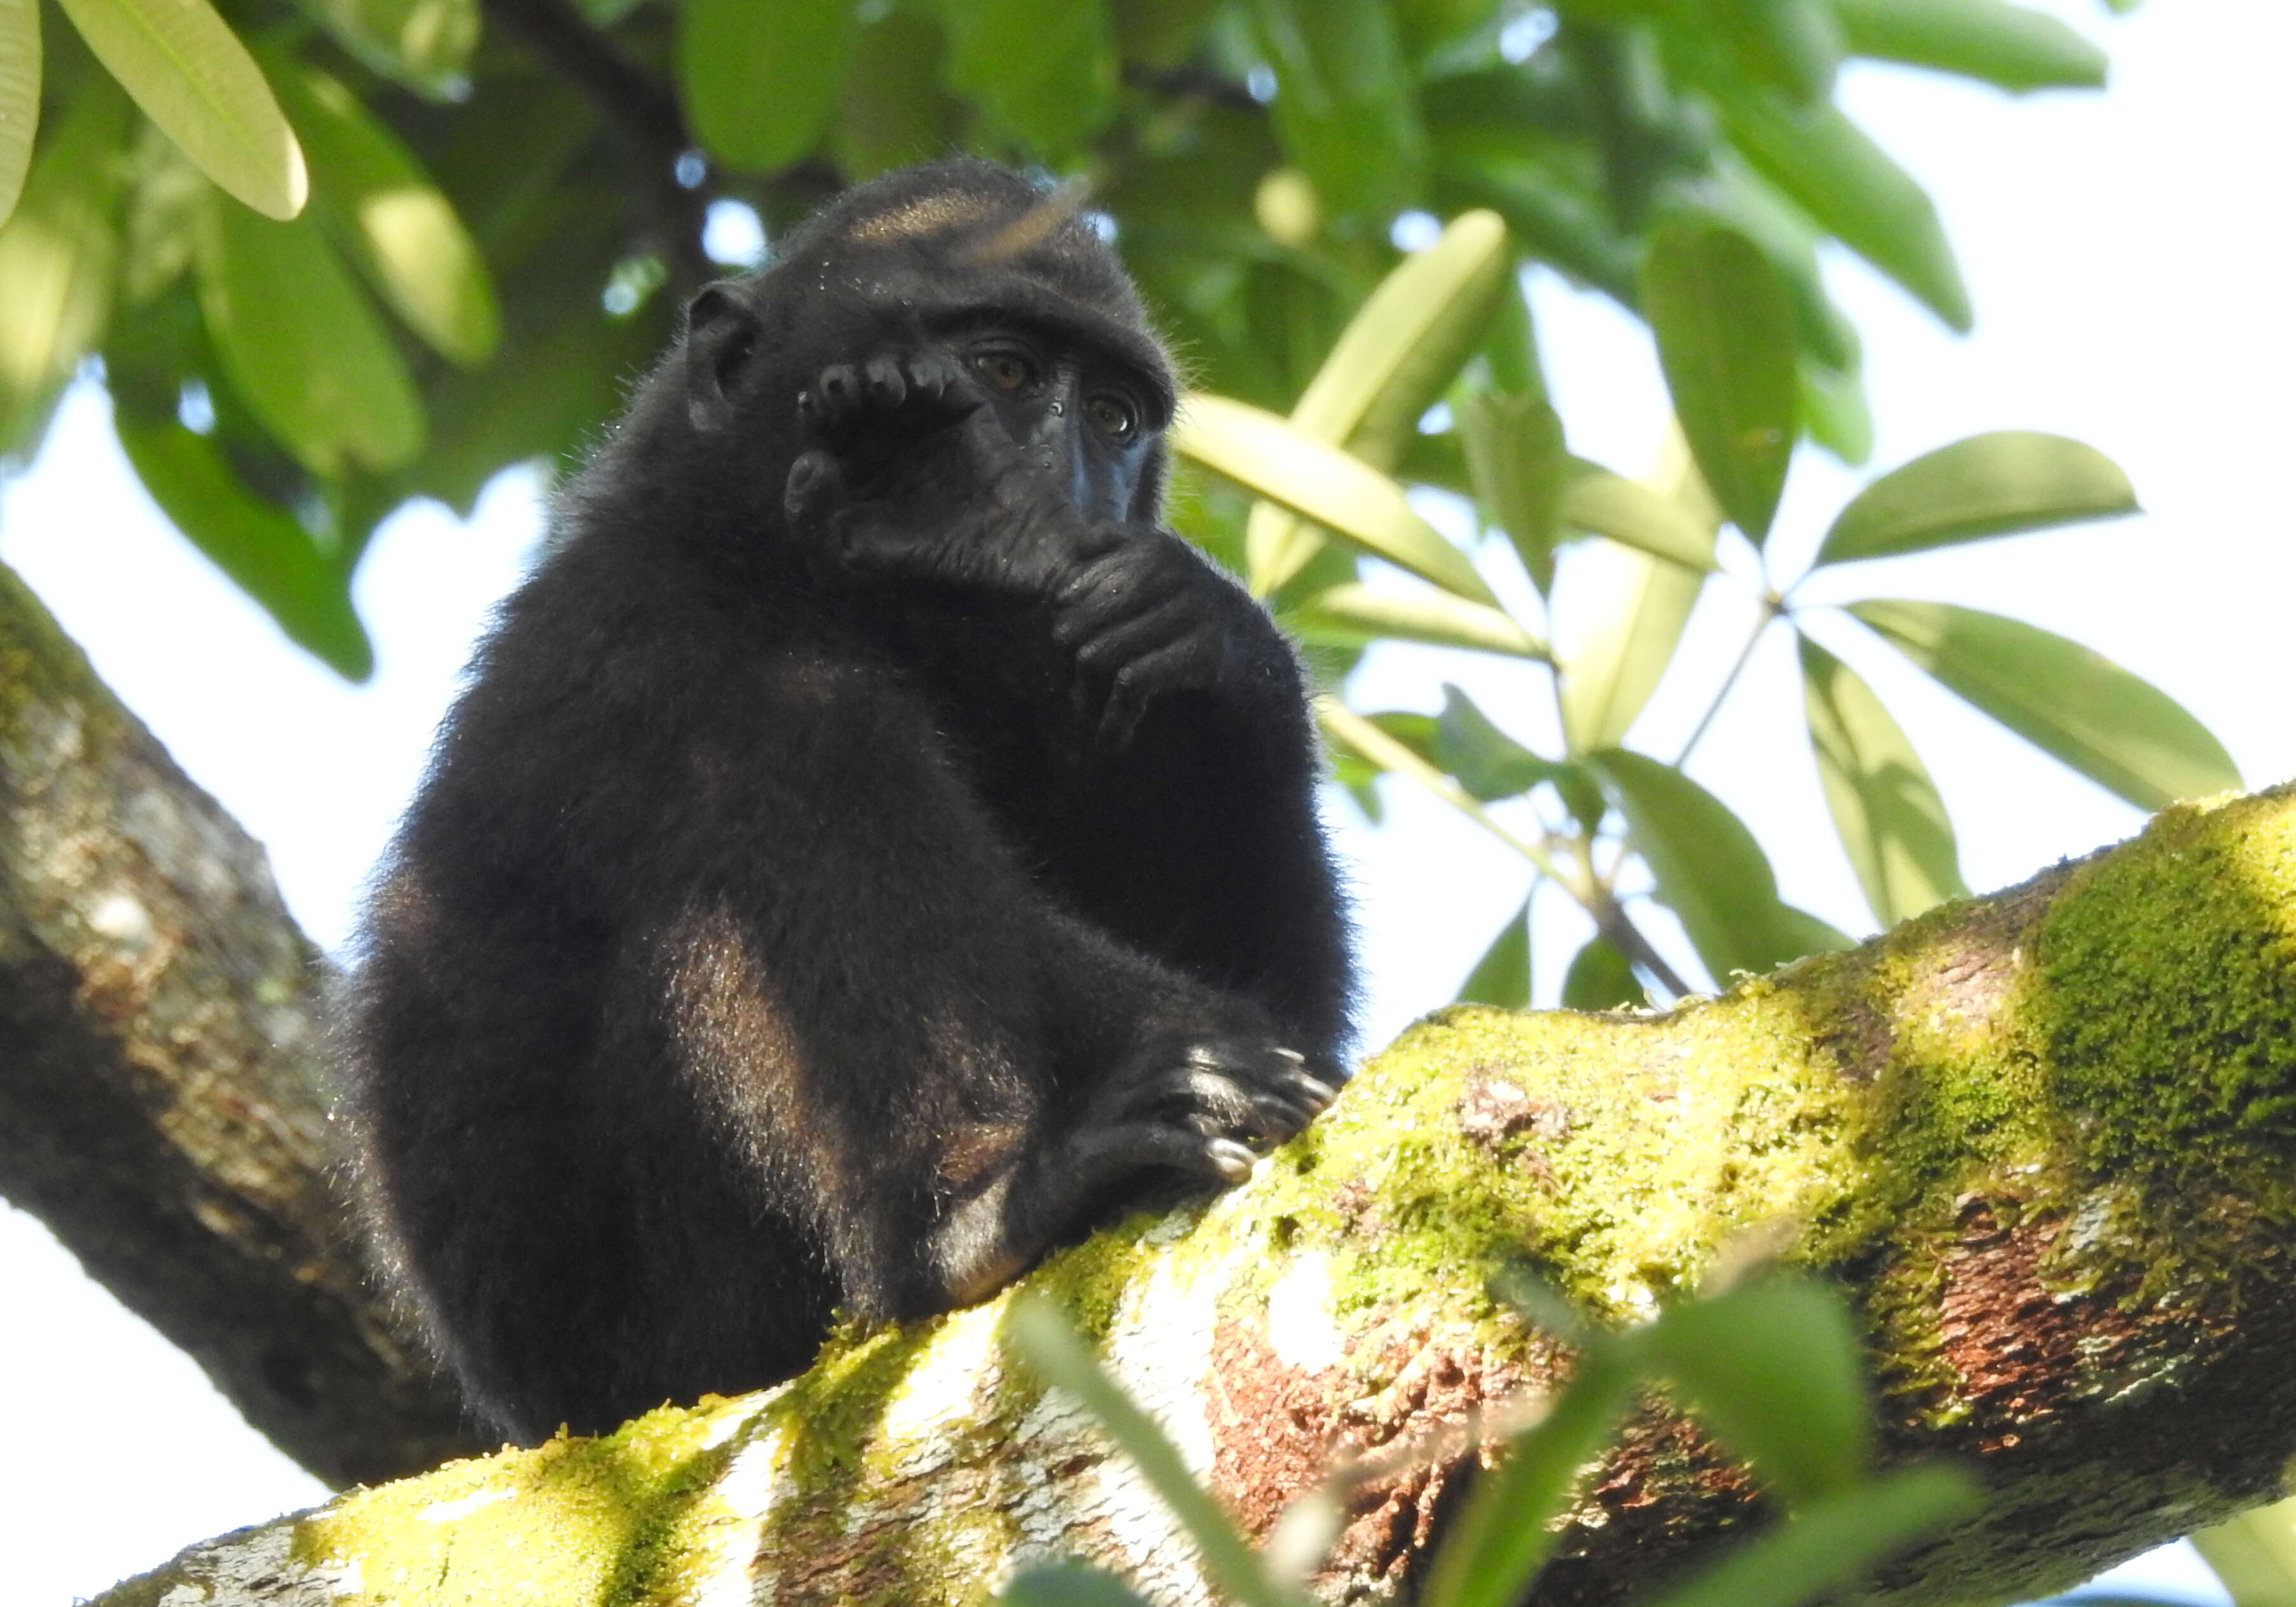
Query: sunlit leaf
(1501,977)
(260,546)
(1793,45)
(1632,515)
(192,76)
(2254,1555)
(1834,411)
(1831,1543)
(1772,1367)
(1600,978)
(1515,453)
(1988,485)
(761,77)
(1726,340)
(1043,70)
(1891,820)
(20,95)
(424,43)
(1262,453)
(381,207)
(2063,698)
(1625,611)
(2009,46)
(58,258)
(1353,615)
(1068,1584)
(1710,870)
(1060,1358)
(1388,368)
(894,111)
(303,345)
(1487,762)
(1504,1534)
(1345,109)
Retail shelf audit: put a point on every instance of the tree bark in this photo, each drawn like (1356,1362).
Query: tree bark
(2041,1138)
(162,1106)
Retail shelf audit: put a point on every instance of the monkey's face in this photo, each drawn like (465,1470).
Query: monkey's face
(1081,413)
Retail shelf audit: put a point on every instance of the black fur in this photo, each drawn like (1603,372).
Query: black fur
(870,846)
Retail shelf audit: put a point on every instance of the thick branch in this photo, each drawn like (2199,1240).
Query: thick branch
(160,1107)
(2043,1138)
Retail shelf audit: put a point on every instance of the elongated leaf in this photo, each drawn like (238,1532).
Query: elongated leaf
(2009,46)
(894,109)
(1515,453)
(1068,1585)
(59,259)
(425,45)
(1633,515)
(1600,978)
(303,345)
(192,76)
(257,544)
(2112,727)
(1794,45)
(2254,1555)
(1988,485)
(1833,1543)
(1388,365)
(1042,71)
(1345,109)
(1634,607)
(1501,977)
(1356,615)
(1504,1535)
(379,205)
(1489,762)
(1834,412)
(761,76)
(1726,340)
(1772,1367)
(1891,820)
(1262,453)
(20,95)
(1061,1358)
(1846,182)
(1710,870)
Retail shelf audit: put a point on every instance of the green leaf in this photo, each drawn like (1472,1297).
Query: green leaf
(379,205)
(260,545)
(1501,977)
(1710,870)
(1834,413)
(1060,1358)
(2105,721)
(303,345)
(1849,184)
(1353,615)
(1833,1543)
(1636,606)
(1389,365)
(759,78)
(1726,340)
(1486,761)
(1988,485)
(192,76)
(20,95)
(1633,515)
(58,258)
(1772,1367)
(1504,1533)
(425,45)
(895,111)
(1042,71)
(1263,453)
(2254,1555)
(1345,111)
(1515,453)
(2009,46)
(1794,45)
(1068,1584)
(1891,820)
(1600,978)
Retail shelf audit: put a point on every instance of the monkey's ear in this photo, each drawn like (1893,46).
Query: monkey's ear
(721,339)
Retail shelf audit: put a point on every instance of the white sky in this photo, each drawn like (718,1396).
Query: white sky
(2128,258)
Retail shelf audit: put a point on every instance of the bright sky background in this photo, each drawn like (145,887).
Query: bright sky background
(2128,255)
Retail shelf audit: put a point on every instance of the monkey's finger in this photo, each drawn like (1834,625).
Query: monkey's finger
(1111,1152)
(814,483)
(836,396)
(1215,1102)
(884,383)
(1190,662)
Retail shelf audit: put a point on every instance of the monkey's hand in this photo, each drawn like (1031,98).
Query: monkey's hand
(1195,1106)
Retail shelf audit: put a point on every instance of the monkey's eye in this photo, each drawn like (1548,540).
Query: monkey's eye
(1006,369)
(1112,416)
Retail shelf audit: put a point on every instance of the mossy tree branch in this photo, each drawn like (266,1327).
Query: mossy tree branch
(2042,1138)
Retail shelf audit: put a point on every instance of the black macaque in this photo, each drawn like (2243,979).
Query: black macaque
(870,849)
